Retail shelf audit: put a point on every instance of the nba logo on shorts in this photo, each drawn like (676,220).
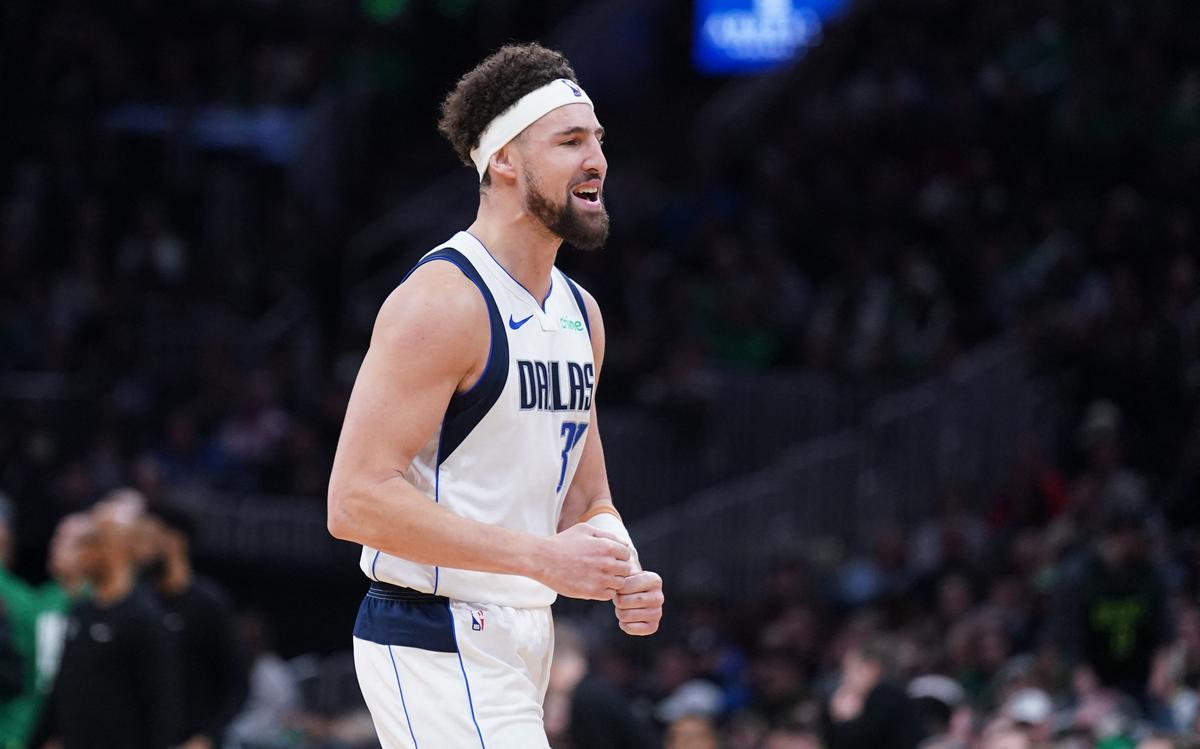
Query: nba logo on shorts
(477,621)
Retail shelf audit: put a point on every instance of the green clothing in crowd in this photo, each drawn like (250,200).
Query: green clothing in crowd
(37,625)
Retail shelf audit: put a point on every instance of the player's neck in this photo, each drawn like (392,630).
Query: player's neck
(519,242)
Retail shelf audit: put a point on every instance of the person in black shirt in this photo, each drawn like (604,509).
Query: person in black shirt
(197,615)
(1113,607)
(868,711)
(114,687)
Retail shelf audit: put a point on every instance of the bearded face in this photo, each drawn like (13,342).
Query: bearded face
(579,217)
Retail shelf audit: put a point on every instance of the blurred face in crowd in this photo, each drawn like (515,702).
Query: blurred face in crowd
(1187,628)
(783,739)
(126,509)
(858,673)
(561,175)
(65,560)
(94,548)
(775,677)
(691,732)
(672,667)
(746,731)
(1006,739)
(1119,545)
(994,648)
(955,597)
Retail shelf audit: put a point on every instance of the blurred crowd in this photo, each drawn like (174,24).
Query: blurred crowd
(180,191)
(127,646)
(1063,615)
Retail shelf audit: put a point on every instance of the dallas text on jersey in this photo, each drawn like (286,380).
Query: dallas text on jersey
(542,385)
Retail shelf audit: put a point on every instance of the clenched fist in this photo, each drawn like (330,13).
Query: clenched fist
(639,604)
(583,562)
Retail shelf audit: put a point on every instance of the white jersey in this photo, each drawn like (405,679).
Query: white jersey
(507,449)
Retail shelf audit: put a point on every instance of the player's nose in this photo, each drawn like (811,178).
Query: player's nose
(593,160)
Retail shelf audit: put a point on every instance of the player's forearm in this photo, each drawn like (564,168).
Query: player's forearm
(397,519)
(577,507)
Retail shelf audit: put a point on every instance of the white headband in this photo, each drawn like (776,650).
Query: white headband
(528,110)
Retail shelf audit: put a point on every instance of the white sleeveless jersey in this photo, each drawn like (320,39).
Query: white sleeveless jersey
(507,449)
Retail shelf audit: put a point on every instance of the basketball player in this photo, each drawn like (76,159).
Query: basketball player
(470,465)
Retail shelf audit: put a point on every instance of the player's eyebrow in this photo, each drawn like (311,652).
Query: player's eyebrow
(578,130)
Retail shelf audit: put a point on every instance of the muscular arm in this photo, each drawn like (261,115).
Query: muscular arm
(430,340)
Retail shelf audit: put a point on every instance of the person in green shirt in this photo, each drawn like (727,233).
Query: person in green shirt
(37,626)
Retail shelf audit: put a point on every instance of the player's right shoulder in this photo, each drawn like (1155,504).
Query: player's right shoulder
(436,303)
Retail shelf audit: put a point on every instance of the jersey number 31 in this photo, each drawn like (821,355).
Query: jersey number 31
(573,431)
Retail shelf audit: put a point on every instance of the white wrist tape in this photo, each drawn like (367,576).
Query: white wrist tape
(606,521)
(529,109)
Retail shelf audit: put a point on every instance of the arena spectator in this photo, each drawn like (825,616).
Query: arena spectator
(115,685)
(34,627)
(1116,607)
(199,619)
(273,696)
(867,709)
(584,709)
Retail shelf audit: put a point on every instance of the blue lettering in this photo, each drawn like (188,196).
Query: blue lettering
(575,379)
(556,387)
(589,380)
(525,375)
(543,385)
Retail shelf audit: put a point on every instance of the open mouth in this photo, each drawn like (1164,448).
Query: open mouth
(588,193)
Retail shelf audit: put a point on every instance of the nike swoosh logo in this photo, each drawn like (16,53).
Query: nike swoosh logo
(514,324)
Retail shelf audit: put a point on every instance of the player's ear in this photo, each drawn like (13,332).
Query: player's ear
(501,163)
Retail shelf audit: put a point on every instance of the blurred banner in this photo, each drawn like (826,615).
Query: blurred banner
(747,36)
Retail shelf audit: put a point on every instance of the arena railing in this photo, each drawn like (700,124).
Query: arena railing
(842,489)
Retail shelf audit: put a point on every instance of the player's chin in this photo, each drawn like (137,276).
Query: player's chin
(586,231)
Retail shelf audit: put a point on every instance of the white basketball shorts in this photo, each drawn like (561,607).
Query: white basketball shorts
(442,674)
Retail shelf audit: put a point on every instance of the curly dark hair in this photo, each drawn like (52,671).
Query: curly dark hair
(492,87)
